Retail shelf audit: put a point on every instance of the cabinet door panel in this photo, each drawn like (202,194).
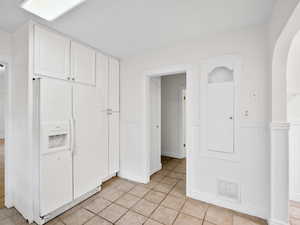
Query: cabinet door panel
(114,143)
(102,90)
(220,121)
(87,154)
(114,84)
(83,64)
(51,54)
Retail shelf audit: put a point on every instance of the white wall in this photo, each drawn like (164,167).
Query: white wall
(5,44)
(252,171)
(172,118)
(293,117)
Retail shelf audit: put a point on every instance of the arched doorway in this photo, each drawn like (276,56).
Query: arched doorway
(279,131)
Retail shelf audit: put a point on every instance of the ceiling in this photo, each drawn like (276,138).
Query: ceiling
(129,27)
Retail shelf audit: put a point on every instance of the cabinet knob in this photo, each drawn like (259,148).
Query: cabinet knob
(73,79)
(68,78)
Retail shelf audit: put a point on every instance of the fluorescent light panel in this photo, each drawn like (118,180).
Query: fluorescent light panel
(50,9)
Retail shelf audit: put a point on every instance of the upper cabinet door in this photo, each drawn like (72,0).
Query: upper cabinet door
(114,84)
(51,54)
(83,64)
(102,70)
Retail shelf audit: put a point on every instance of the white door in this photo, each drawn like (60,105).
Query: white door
(102,63)
(114,143)
(220,117)
(83,64)
(51,54)
(55,154)
(87,151)
(155,120)
(114,85)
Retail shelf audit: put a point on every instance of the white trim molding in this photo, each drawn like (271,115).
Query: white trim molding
(279,125)
(276,222)
(253,210)
(279,189)
(173,155)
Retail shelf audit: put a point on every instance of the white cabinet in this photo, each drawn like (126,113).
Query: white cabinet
(51,54)
(114,143)
(83,64)
(108,88)
(58,57)
(220,121)
(114,84)
(102,64)
(114,115)
(71,129)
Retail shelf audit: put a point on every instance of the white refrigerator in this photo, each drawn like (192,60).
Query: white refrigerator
(70,124)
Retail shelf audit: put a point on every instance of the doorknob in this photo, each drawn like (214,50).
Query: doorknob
(231,118)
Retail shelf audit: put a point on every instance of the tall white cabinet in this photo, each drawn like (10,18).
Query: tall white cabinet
(114,115)
(107,73)
(71,114)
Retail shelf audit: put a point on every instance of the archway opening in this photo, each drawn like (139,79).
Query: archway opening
(293,118)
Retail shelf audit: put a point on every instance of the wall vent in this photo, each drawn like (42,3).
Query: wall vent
(228,190)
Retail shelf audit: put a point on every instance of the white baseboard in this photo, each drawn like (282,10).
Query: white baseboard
(131,177)
(156,169)
(277,222)
(295,197)
(251,210)
(173,155)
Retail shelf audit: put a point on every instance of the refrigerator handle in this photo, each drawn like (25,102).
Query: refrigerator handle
(72,136)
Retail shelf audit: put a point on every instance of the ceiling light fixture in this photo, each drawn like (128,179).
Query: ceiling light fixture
(50,9)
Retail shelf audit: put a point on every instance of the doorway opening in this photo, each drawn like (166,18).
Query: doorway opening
(168,132)
(293,118)
(3,94)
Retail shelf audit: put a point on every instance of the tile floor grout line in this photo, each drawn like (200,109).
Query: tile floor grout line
(179,211)
(160,204)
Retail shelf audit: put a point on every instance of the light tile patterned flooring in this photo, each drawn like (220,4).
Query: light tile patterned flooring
(1,173)
(160,202)
(294,212)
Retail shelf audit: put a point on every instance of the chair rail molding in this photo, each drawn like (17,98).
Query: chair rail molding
(279,190)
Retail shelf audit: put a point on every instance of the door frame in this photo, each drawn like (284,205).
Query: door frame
(7,135)
(159,167)
(189,70)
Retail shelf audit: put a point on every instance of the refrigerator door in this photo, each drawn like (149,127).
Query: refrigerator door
(88,147)
(56,185)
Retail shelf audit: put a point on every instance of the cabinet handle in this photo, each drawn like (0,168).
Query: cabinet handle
(68,78)
(73,79)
